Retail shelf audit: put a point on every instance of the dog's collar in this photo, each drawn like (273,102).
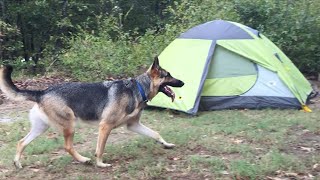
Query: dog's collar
(143,94)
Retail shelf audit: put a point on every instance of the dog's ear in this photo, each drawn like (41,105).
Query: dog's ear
(155,64)
(155,67)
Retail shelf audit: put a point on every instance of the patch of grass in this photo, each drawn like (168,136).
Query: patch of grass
(44,145)
(275,160)
(244,169)
(215,164)
(60,165)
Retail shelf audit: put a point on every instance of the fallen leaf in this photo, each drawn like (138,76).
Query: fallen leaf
(176,158)
(4,170)
(172,168)
(238,141)
(291,174)
(35,169)
(224,172)
(205,155)
(54,158)
(279,172)
(316,167)
(204,170)
(306,130)
(52,135)
(275,178)
(311,176)
(306,149)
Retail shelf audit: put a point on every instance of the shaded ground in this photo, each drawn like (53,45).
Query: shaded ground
(315,102)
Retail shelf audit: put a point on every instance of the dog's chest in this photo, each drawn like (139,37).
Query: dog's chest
(134,116)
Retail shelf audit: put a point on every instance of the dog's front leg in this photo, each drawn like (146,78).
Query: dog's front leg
(104,131)
(141,129)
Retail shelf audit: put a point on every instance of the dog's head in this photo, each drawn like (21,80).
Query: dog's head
(161,80)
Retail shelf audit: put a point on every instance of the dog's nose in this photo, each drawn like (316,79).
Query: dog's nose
(181,83)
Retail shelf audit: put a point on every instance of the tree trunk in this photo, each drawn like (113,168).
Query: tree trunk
(20,25)
(2,39)
(2,8)
(64,8)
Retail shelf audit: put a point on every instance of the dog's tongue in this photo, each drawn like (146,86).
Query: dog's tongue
(169,93)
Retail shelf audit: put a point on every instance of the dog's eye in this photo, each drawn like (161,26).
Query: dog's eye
(168,75)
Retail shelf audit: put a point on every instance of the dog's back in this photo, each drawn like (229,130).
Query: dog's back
(88,100)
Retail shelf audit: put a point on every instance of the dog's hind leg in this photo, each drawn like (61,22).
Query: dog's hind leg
(104,131)
(62,118)
(68,134)
(38,126)
(137,127)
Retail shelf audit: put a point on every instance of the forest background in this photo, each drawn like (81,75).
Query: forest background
(118,38)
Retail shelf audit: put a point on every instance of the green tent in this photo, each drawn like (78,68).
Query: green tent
(227,65)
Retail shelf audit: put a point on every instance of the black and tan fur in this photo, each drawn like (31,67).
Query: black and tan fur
(110,103)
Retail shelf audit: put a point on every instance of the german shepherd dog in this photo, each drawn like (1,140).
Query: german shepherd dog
(110,103)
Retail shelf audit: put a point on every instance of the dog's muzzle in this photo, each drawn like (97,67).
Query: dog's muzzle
(164,88)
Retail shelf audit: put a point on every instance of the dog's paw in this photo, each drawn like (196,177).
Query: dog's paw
(168,145)
(85,160)
(17,164)
(88,162)
(103,165)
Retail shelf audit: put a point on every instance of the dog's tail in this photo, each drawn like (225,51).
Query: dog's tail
(10,90)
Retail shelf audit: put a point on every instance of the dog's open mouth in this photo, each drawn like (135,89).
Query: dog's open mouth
(167,91)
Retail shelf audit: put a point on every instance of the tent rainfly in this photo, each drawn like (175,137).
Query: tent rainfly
(227,65)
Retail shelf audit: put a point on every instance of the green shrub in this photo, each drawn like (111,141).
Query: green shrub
(97,57)
(116,53)
(292,25)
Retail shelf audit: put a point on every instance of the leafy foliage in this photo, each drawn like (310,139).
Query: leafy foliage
(119,37)
(126,56)
(129,53)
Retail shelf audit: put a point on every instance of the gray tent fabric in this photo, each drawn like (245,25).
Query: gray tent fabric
(255,32)
(248,102)
(216,30)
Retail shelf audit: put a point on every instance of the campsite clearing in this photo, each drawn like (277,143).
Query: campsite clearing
(239,144)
